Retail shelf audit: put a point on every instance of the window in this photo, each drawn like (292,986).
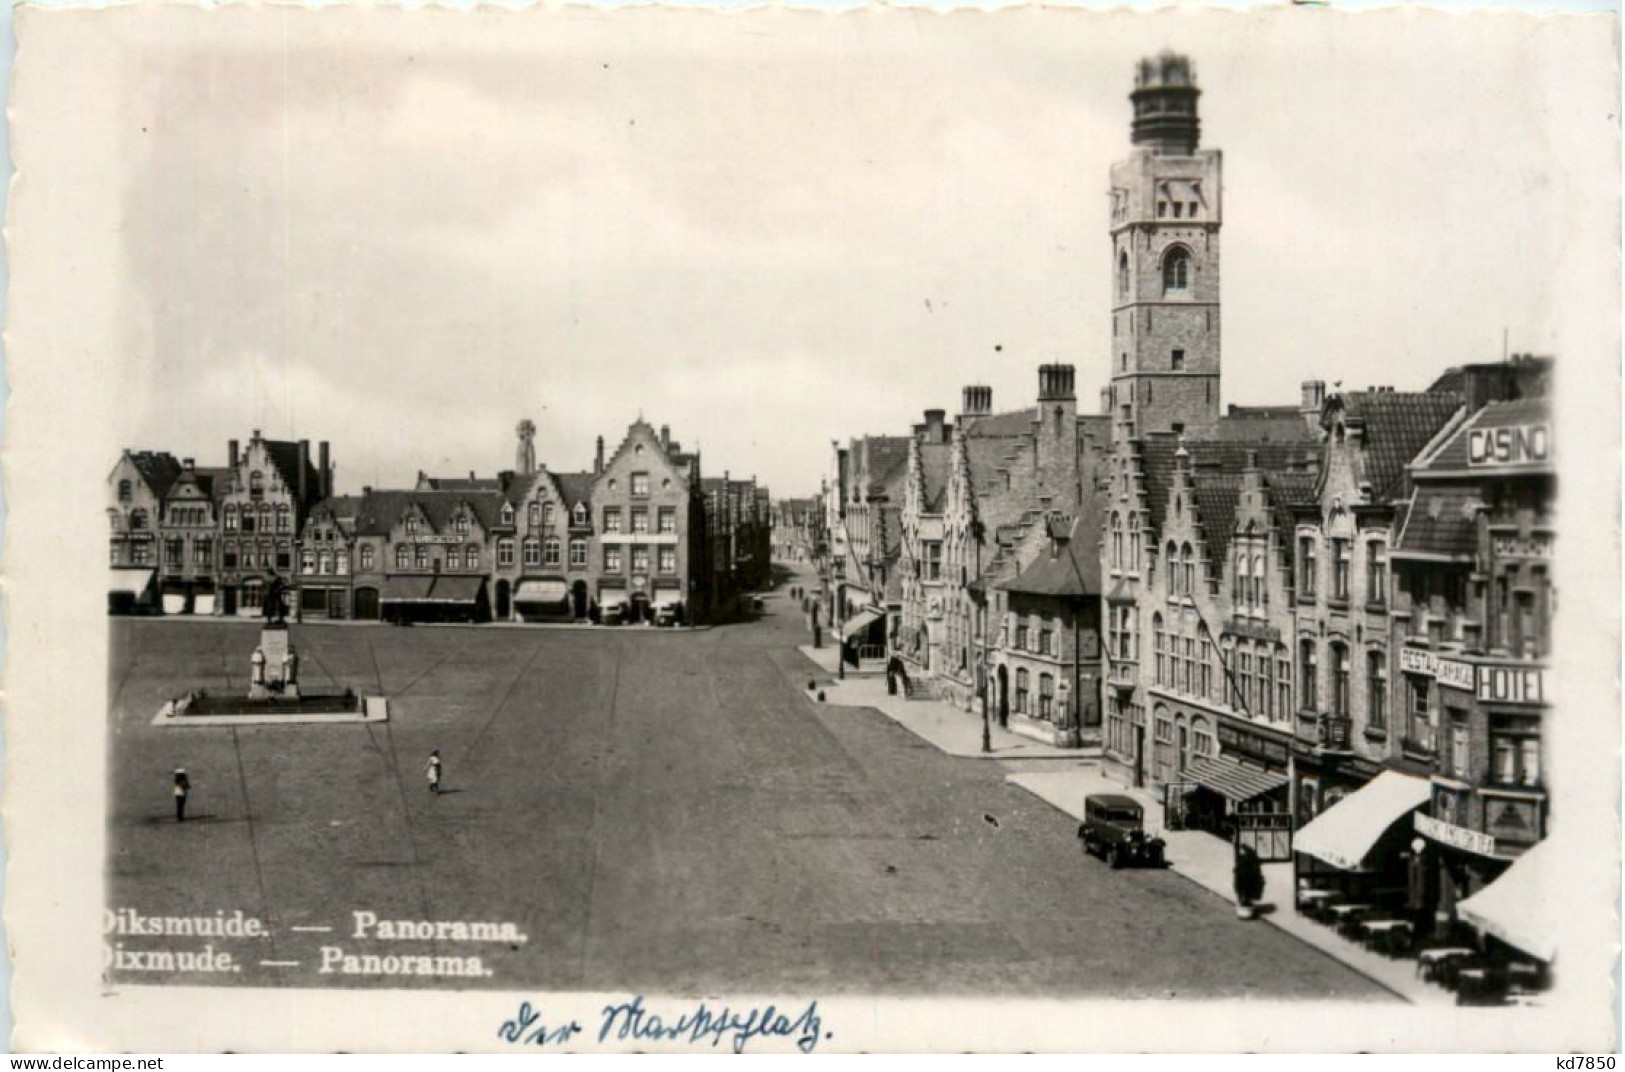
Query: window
(1458,751)
(612,519)
(1340,569)
(1122,274)
(640,519)
(1376,690)
(533,551)
(307,561)
(547,515)
(1117,542)
(1260,589)
(341,562)
(1205,685)
(668,560)
(1157,644)
(534,515)
(1176,269)
(1421,724)
(1021,638)
(668,519)
(1283,682)
(1376,574)
(933,560)
(640,558)
(1187,668)
(125,491)
(1046,696)
(550,551)
(612,558)
(324,563)
(454,557)
(471,556)
(1264,693)
(579,516)
(504,552)
(203,551)
(411,524)
(507,513)
(138,520)
(421,556)
(1340,680)
(173,552)
(1134,541)
(1046,640)
(640,484)
(228,556)
(578,554)
(256,485)
(229,517)
(1176,360)
(1244,680)
(1189,558)
(284,557)
(366,556)
(284,518)
(1306,567)
(1021,690)
(1310,688)
(459,525)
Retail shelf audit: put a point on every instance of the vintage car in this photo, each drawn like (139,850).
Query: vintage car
(668,614)
(1114,830)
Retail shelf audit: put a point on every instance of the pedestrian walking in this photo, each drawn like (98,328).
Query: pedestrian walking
(183,786)
(433,771)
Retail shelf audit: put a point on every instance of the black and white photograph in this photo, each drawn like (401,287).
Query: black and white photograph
(774,531)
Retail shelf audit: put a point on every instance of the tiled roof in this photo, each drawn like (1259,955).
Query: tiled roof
(1015,423)
(284,455)
(1452,453)
(1216,497)
(1213,456)
(887,459)
(987,456)
(1254,427)
(1442,521)
(1398,424)
(574,487)
(158,468)
(381,510)
(212,480)
(1073,571)
(520,486)
(463,483)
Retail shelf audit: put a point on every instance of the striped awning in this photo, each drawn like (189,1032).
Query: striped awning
(1232,779)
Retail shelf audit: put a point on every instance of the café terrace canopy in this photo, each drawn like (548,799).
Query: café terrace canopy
(1344,834)
(1516,908)
(1233,780)
(858,623)
(129,581)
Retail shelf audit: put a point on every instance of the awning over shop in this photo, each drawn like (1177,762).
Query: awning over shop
(542,592)
(858,623)
(456,589)
(1232,779)
(666,597)
(203,604)
(1516,907)
(174,602)
(128,581)
(406,589)
(611,597)
(432,589)
(1344,834)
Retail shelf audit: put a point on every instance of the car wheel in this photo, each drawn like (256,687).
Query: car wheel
(1114,857)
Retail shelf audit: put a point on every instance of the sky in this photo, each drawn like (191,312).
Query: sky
(772,233)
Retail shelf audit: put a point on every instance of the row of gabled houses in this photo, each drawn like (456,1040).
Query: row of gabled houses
(641,535)
(1257,613)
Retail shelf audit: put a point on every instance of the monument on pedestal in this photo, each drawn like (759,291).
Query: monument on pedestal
(274,666)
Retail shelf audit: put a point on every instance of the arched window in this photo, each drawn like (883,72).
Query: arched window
(1176,270)
(284,519)
(1340,680)
(1134,541)
(535,515)
(1189,557)
(125,491)
(547,513)
(1122,274)
(1171,561)
(1117,541)
(256,485)
(229,516)
(1260,594)
(366,556)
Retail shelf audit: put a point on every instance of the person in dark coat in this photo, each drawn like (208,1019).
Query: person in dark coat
(1249,876)
(182,786)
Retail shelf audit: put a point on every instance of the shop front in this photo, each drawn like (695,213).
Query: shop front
(1359,846)
(542,599)
(130,591)
(434,598)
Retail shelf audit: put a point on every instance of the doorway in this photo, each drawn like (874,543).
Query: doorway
(504,601)
(1004,696)
(578,600)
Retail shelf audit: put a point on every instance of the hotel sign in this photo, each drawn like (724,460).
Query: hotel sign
(1536,545)
(1457,837)
(1456,675)
(1512,684)
(1518,444)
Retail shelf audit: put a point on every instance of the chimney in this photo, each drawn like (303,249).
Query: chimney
(471,476)
(978,402)
(665,437)
(366,489)
(231,452)
(187,464)
(326,467)
(935,430)
(304,463)
(1314,395)
(598,458)
(1055,383)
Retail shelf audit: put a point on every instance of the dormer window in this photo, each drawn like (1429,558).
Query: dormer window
(507,513)
(579,514)
(411,524)
(460,525)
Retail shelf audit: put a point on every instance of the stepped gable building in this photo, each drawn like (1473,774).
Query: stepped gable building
(651,517)
(327,559)
(189,530)
(1342,542)
(919,641)
(872,519)
(1472,611)
(267,496)
(541,564)
(137,485)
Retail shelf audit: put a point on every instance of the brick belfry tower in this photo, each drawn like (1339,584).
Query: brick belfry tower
(1166,207)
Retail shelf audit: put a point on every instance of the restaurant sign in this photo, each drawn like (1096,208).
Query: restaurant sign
(1456,675)
(1457,837)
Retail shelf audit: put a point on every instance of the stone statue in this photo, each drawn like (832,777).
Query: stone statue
(276,602)
(256,674)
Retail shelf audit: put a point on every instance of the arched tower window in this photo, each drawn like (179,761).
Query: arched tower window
(1176,270)
(1122,274)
